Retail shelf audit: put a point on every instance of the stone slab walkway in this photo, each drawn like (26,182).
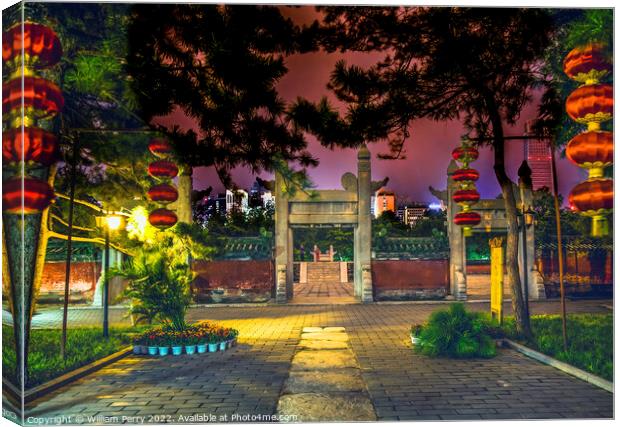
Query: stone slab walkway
(249,379)
(325,382)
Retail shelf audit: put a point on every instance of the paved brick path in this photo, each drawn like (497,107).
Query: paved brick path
(402,385)
(323,293)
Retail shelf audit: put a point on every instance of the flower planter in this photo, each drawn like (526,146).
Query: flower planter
(201,348)
(177,350)
(153,350)
(145,349)
(190,349)
(137,349)
(163,351)
(213,347)
(229,344)
(222,346)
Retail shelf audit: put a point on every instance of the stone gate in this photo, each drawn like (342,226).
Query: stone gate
(347,207)
(493,219)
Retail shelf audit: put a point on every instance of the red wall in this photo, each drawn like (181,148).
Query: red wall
(240,280)
(84,277)
(410,275)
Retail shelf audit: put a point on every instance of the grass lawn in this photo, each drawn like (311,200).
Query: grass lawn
(84,345)
(590,340)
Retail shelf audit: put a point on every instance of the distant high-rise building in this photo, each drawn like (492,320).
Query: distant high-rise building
(538,155)
(260,196)
(385,200)
(412,214)
(236,200)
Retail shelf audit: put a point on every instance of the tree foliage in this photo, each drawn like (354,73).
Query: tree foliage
(218,65)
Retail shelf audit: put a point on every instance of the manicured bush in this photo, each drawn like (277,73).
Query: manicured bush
(457,333)
(590,339)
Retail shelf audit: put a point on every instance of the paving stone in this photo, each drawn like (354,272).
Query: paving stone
(334,329)
(312,329)
(340,380)
(326,407)
(331,336)
(324,359)
(322,345)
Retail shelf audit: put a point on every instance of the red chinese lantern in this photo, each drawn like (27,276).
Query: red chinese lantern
(466,174)
(162,218)
(466,197)
(587,64)
(35,194)
(41,98)
(31,145)
(163,169)
(591,105)
(465,154)
(38,43)
(592,150)
(163,193)
(594,198)
(467,220)
(160,147)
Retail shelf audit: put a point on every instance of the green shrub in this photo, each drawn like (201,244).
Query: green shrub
(457,333)
(590,340)
(84,345)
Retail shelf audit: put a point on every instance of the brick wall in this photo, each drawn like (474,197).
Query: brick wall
(233,281)
(84,277)
(410,279)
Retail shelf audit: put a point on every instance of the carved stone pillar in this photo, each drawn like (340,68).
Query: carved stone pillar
(364,228)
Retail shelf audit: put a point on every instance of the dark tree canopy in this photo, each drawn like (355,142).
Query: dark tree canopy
(441,63)
(219,64)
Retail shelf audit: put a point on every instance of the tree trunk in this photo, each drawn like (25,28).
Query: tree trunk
(522,321)
(65,308)
(184,203)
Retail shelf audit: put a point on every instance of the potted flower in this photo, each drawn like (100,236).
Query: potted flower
(191,339)
(164,344)
(416,329)
(202,340)
(153,342)
(233,337)
(230,337)
(213,342)
(176,341)
(223,336)
(138,343)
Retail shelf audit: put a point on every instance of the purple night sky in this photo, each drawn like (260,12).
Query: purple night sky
(428,150)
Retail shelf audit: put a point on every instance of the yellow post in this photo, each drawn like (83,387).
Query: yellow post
(497,277)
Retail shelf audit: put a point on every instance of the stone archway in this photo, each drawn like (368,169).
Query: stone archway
(349,206)
(493,219)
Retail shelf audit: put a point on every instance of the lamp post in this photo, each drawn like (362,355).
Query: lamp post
(525,219)
(110,222)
